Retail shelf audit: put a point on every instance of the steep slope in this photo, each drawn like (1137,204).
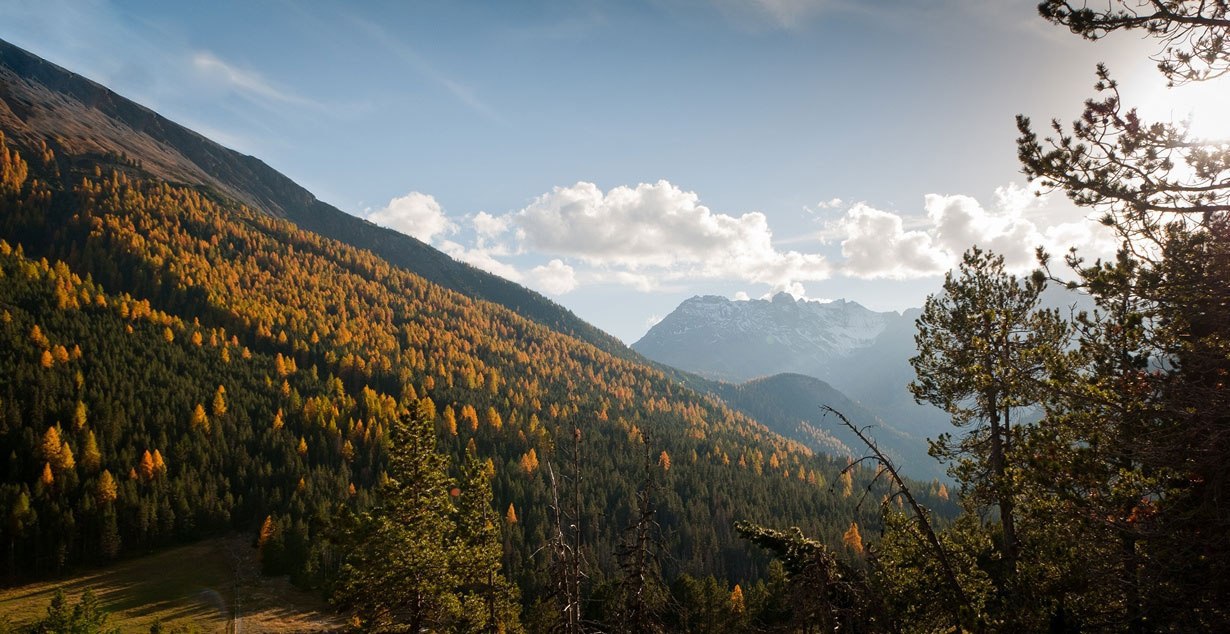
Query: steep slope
(43,103)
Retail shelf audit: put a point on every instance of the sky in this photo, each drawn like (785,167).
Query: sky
(620,157)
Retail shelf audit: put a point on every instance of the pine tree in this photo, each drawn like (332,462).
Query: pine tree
(490,602)
(397,570)
(982,347)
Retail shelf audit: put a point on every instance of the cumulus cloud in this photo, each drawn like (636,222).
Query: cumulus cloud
(658,231)
(489,226)
(554,278)
(415,214)
(879,244)
(876,244)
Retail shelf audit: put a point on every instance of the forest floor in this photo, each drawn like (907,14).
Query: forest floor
(210,586)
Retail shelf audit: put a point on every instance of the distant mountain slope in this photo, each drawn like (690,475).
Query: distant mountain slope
(863,353)
(741,340)
(790,404)
(42,102)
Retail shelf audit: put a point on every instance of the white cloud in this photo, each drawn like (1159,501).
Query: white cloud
(655,232)
(489,226)
(877,244)
(483,259)
(741,296)
(246,82)
(554,278)
(415,214)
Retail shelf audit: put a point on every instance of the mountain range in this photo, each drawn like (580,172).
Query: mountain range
(862,353)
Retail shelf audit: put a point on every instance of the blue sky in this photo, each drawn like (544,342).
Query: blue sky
(623,156)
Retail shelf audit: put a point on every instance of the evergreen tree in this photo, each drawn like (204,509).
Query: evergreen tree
(982,348)
(398,569)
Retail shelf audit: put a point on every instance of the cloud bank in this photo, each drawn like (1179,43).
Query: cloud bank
(878,244)
(656,236)
(657,231)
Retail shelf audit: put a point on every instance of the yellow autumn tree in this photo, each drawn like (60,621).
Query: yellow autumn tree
(853,539)
(493,419)
(199,419)
(66,457)
(219,404)
(79,416)
(47,360)
(469,415)
(511,516)
(38,338)
(47,478)
(450,420)
(847,484)
(664,461)
(51,446)
(107,490)
(268,531)
(737,605)
(529,461)
(147,466)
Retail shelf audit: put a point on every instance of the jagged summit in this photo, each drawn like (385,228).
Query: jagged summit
(744,339)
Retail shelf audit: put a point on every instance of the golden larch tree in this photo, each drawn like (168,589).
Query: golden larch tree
(219,404)
(107,490)
(199,419)
(853,539)
(147,466)
(737,604)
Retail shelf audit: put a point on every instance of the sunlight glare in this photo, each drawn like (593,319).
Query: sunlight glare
(1205,105)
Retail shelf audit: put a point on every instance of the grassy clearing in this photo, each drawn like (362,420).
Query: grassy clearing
(211,586)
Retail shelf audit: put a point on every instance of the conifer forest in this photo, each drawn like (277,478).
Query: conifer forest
(194,348)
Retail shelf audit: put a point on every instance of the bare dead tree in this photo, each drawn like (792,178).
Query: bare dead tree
(921,515)
(639,562)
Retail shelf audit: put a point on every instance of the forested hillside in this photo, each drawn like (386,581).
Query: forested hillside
(790,404)
(41,102)
(181,365)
